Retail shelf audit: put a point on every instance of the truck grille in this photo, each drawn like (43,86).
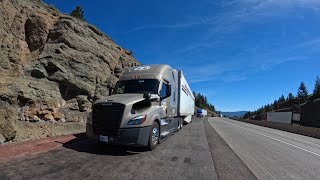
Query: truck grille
(106,118)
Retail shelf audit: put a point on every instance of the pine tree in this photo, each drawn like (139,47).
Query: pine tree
(281,102)
(78,13)
(290,96)
(302,92)
(281,99)
(316,91)
(269,108)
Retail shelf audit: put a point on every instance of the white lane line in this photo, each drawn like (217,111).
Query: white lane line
(275,139)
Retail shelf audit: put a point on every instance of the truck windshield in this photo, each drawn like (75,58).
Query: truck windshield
(137,86)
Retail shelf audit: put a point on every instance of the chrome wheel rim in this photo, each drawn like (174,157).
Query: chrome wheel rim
(155,135)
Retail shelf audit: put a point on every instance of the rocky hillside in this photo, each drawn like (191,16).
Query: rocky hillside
(50,63)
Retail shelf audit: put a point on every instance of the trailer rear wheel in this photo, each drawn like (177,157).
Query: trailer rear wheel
(154,136)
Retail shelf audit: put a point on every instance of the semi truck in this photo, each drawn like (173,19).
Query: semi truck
(201,112)
(147,104)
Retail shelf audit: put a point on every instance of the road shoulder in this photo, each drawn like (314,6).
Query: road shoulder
(226,162)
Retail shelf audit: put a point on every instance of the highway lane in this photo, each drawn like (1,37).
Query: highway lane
(271,153)
(185,155)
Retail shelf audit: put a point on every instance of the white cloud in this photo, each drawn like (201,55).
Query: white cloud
(236,11)
(236,70)
(309,43)
(235,15)
(168,26)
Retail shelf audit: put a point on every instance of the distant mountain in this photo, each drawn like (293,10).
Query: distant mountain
(237,113)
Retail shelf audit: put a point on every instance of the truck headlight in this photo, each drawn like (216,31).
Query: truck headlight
(137,120)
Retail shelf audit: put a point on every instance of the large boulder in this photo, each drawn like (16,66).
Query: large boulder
(8,118)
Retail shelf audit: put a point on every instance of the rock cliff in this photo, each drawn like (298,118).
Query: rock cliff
(50,63)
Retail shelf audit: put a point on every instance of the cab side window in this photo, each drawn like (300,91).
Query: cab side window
(163,89)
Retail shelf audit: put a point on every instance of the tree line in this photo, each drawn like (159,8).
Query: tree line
(290,101)
(201,101)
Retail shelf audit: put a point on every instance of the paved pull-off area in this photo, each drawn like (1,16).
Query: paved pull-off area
(271,153)
(185,155)
(217,148)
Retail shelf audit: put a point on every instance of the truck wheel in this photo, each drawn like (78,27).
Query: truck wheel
(154,136)
(181,123)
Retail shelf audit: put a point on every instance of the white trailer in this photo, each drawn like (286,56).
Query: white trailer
(185,99)
(282,117)
(202,113)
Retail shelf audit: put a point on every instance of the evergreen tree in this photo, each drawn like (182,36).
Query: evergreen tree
(281,99)
(302,92)
(78,13)
(281,102)
(290,96)
(316,91)
(247,115)
(268,108)
(275,105)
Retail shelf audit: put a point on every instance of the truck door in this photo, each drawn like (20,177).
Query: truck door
(165,104)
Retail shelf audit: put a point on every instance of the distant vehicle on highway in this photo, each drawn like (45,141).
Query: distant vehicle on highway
(147,104)
(201,112)
(233,117)
(283,117)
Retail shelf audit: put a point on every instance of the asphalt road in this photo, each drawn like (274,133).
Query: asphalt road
(217,148)
(195,152)
(184,155)
(271,153)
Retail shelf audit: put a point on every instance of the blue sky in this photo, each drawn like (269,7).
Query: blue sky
(241,54)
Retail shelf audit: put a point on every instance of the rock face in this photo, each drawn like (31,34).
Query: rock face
(8,116)
(50,63)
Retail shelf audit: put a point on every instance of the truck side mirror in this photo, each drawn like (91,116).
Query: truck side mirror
(147,96)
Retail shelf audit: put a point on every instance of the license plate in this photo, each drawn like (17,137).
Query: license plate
(104,138)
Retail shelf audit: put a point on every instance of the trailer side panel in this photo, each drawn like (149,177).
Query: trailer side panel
(186,98)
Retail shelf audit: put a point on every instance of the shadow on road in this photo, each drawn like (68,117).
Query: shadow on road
(82,144)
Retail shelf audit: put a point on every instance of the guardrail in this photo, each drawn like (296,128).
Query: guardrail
(297,129)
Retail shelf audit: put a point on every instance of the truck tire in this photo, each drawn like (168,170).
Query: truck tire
(154,136)
(181,123)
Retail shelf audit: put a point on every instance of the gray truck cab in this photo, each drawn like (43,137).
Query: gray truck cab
(142,110)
